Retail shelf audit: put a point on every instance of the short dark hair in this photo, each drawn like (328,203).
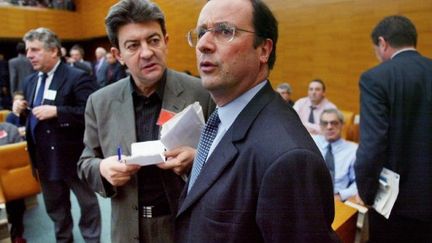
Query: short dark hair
(20,48)
(132,11)
(266,27)
(397,30)
(79,49)
(317,80)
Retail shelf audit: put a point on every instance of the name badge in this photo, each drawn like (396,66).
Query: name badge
(50,94)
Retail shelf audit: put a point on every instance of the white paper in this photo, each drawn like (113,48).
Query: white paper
(388,191)
(50,94)
(146,153)
(184,129)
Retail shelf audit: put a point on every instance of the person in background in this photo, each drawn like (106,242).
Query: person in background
(115,70)
(285,91)
(15,209)
(143,199)
(19,68)
(76,59)
(338,153)
(396,132)
(101,66)
(244,186)
(310,108)
(15,117)
(55,98)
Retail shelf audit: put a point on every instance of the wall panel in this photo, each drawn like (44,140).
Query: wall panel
(328,39)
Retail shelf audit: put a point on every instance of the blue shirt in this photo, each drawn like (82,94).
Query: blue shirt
(229,112)
(344,153)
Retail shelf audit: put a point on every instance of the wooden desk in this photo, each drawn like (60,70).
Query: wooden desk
(344,222)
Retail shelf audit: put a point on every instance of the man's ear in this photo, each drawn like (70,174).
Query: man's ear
(265,48)
(382,43)
(116,53)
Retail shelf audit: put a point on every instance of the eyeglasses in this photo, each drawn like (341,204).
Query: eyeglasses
(222,32)
(332,123)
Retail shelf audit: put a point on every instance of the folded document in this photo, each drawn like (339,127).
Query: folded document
(388,191)
(184,129)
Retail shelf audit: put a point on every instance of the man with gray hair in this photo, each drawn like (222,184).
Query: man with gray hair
(55,101)
(144,199)
(339,154)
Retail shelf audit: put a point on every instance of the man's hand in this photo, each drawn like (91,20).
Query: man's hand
(115,172)
(179,160)
(19,106)
(44,112)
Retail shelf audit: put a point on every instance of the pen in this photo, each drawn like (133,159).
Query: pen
(119,152)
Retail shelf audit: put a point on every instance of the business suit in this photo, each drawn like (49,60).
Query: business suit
(396,133)
(100,72)
(55,149)
(252,189)
(110,121)
(19,68)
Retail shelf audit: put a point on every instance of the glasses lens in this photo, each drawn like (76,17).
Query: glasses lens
(224,32)
(192,38)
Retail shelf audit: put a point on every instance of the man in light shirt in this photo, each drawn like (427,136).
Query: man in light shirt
(310,108)
(342,152)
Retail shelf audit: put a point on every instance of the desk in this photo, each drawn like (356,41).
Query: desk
(344,222)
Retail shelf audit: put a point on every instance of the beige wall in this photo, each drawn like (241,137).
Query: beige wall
(328,39)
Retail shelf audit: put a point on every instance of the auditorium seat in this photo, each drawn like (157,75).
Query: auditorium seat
(349,120)
(16,179)
(3,115)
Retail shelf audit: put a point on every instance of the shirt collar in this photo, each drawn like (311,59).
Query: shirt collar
(159,90)
(402,50)
(51,72)
(229,112)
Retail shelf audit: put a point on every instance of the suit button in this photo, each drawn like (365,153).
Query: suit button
(48,131)
(52,147)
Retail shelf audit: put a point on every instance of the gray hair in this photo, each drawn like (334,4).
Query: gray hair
(285,87)
(46,36)
(132,11)
(339,114)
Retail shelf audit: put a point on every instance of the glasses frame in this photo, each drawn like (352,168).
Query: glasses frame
(217,27)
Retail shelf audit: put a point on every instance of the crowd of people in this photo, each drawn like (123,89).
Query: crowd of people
(237,185)
(54,4)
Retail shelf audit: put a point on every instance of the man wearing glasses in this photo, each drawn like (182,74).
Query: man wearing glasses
(144,199)
(338,154)
(257,175)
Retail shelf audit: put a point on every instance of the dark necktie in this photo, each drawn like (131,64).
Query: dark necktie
(206,140)
(37,102)
(311,115)
(329,159)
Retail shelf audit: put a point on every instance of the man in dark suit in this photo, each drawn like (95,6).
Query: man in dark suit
(253,187)
(144,200)
(56,96)
(100,67)
(396,132)
(19,68)
(115,70)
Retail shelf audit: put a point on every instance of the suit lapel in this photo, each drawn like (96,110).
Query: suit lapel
(226,151)
(123,109)
(173,99)
(59,77)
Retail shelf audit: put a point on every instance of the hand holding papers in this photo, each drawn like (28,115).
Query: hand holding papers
(184,129)
(387,192)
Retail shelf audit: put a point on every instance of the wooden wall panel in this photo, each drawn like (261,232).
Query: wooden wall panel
(328,39)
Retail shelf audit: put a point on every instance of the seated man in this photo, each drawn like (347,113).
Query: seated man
(338,153)
(309,108)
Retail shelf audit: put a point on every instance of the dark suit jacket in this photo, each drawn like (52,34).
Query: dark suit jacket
(396,132)
(58,144)
(265,181)
(110,121)
(19,68)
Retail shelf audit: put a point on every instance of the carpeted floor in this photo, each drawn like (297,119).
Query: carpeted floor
(40,229)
